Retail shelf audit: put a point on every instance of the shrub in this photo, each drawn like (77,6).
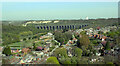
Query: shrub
(52,60)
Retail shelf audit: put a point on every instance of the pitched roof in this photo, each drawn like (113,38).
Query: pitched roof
(25,49)
(39,47)
(104,37)
(74,39)
(98,28)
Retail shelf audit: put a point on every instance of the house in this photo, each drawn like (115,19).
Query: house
(25,50)
(39,48)
(104,38)
(15,51)
(95,36)
(70,42)
(90,35)
(98,54)
(50,34)
(67,45)
(40,54)
(98,28)
(93,60)
(74,39)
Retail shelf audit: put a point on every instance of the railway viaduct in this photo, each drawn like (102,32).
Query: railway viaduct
(61,27)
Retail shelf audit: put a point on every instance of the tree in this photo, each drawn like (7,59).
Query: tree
(64,60)
(85,50)
(60,52)
(52,60)
(59,37)
(62,37)
(77,52)
(7,51)
(74,60)
(68,35)
(107,47)
(83,41)
(67,62)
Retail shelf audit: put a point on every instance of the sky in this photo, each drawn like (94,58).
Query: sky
(58,10)
(59,0)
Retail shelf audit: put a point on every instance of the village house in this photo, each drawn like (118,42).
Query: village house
(39,48)
(98,28)
(104,38)
(74,40)
(15,51)
(50,34)
(70,42)
(25,50)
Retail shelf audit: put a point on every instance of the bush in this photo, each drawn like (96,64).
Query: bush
(52,60)
(110,63)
